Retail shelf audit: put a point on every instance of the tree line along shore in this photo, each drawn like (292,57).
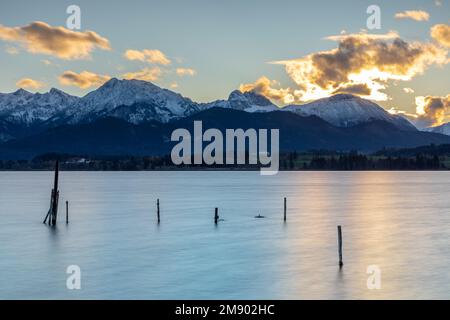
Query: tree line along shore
(422,158)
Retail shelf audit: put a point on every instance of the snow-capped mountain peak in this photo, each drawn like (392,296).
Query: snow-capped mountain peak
(141,98)
(250,101)
(346,110)
(22,93)
(248,98)
(23,107)
(138,101)
(57,92)
(11,100)
(55,96)
(116,92)
(245,101)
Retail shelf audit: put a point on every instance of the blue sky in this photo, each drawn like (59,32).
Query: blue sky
(227,43)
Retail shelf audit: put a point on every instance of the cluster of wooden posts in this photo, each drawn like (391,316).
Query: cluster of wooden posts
(53,212)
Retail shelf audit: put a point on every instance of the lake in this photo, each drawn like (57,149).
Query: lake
(396,221)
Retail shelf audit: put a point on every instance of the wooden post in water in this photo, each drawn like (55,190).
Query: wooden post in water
(340,246)
(284,209)
(67,212)
(216,215)
(157,210)
(53,211)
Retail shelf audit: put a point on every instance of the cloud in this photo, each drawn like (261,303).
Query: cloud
(265,87)
(431,110)
(441,33)
(438,3)
(82,80)
(408,90)
(28,83)
(39,37)
(146,74)
(360,89)
(391,35)
(186,72)
(411,116)
(362,64)
(147,55)
(12,50)
(417,15)
(174,85)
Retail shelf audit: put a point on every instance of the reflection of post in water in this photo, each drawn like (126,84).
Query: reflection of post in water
(53,211)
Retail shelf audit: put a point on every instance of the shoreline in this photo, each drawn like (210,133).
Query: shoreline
(225,170)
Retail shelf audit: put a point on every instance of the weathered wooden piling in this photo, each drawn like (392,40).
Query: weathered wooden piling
(53,211)
(216,215)
(285,209)
(67,212)
(340,246)
(157,210)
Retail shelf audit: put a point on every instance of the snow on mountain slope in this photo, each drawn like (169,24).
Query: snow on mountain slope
(244,101)
(342,110)
(442,129)
(250,102)
(138,101)
(165,105)
(9,101)
(345,110)
(23,107)
(148,111)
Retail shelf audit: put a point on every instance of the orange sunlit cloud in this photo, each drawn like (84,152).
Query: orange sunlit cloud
(417,15)
(40,37)
(185,72)
(82,80)
(441,33)
(146,74)
(266,87)
(28,83)
(148,55)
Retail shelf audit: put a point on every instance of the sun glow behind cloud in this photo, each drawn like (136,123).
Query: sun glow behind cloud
(431,110)
(362,64)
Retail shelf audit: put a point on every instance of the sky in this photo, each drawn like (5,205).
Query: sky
(290,51)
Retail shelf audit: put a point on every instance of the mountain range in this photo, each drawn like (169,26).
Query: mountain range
(137,117)
(443,129)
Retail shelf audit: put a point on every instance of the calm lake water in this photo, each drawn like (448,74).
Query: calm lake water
(398,221)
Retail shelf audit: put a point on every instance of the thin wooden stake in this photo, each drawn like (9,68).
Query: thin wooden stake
(216,215)
(157,210)
(340,246)
(67,212)
(55,195)
(285,209)
(53,211)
